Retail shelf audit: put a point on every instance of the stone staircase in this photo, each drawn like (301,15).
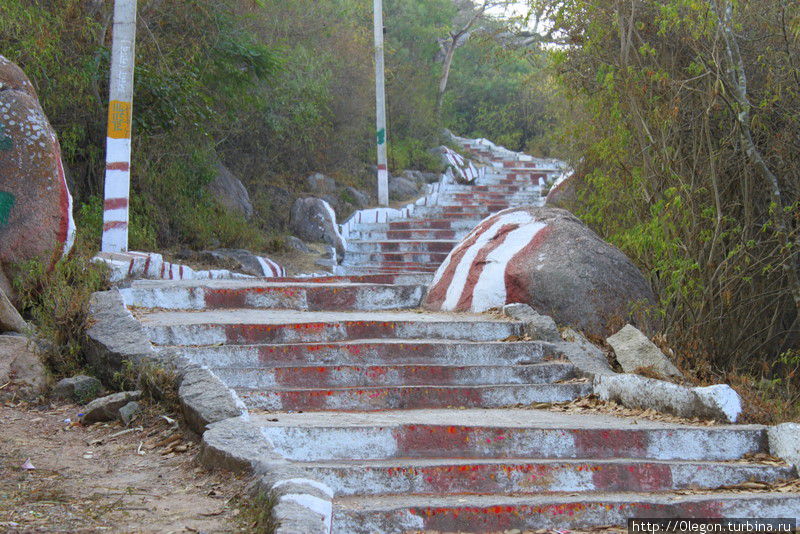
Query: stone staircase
(421,241)
(416,421)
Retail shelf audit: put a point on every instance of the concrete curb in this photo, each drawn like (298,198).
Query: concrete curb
(303,505)
(720,402)
(229,440)
(116,337)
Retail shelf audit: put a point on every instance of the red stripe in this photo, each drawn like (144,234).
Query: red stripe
(515,291)
(382,167)
(115,203)
(465,302)
(118,166)
(114,225)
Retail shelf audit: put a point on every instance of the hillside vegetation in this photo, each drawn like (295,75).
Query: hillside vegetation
(681,118)
(275,90)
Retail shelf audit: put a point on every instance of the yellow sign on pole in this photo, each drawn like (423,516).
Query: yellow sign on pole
(119,119)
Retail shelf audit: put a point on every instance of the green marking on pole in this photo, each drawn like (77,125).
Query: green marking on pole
(7,201)
(381,136)
(5,141)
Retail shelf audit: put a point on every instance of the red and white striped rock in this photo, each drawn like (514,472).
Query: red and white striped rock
(35,202)
(548,259)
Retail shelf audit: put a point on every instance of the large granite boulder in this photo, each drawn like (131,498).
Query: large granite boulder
(230,192)
(313,220)
(319,184)
(10,319)
(550,260)
(35,202)
(402,188)
(21,369)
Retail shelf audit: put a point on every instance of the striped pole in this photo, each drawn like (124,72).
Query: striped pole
(118,142)
(380,106)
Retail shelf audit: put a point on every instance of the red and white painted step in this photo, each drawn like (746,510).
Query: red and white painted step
(410,419)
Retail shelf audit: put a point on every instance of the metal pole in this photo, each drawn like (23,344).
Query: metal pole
(380,105)
(118,142)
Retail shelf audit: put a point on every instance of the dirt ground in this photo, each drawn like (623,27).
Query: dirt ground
(85,480)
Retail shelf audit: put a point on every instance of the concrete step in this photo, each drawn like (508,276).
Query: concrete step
(388,266)
(382,279)
(419,224)
(400,245)
(370,352)
(523,476)
(247,327)
(356,269)
(259,294)
(410,397)
(383,258)
(498,513)
(414,234)
(495,434)
(339,376)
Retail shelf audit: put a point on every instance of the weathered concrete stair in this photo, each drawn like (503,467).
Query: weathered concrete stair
(524,469)
(414,419)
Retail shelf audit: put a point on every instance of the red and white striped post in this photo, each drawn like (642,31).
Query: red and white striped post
(118,143)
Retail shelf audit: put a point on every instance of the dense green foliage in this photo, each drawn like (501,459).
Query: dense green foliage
(670,151)
(272,89)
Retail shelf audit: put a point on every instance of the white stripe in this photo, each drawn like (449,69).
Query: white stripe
(322,507)
(314,483)
(115,240)
(120,214)
(117,184)
(118,150)
(490,291)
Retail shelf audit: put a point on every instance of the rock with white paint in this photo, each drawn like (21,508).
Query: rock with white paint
(720,399)
(313,220)
(635,351)
(718,403)
(35,202)
(250,263)
(230,192)
(784,442)
(564,193)
(548,259)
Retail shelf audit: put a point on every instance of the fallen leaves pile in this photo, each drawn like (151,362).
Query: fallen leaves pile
(592,404)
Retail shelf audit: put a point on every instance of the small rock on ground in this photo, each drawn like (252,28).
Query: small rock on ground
(107,408)
(79,388)
(635,351)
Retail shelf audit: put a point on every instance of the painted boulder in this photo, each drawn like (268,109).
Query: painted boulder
(313,220)
(35,203)
(564,193)
(550,260)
